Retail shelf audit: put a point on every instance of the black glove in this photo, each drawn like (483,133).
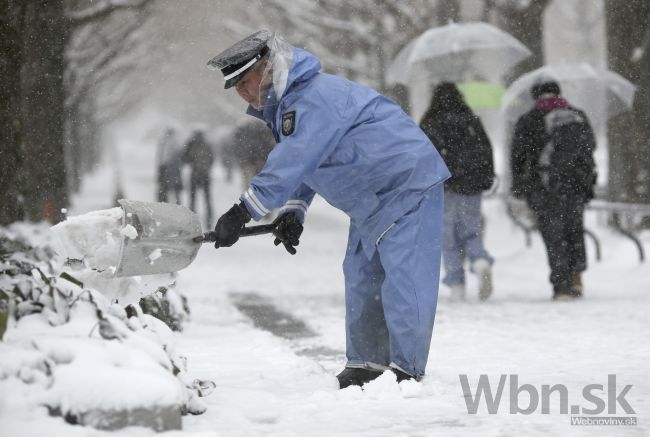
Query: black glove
(287,231)
(230,225)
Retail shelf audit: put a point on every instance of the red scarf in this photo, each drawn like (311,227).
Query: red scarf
(548,104)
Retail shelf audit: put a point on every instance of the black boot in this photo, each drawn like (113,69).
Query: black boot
(566,295)
(401,376)
(576,284)
(356,376)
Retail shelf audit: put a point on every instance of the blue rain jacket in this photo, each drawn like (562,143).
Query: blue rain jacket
(351,145)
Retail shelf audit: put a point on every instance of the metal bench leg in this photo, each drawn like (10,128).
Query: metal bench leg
(596,241)
(617,225)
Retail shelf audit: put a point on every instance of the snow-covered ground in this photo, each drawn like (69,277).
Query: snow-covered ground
(284,384)
(268,386)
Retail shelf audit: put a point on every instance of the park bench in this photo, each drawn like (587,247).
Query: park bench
(623,217)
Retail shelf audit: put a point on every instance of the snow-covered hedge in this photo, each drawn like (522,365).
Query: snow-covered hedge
(73,346)
(168,306)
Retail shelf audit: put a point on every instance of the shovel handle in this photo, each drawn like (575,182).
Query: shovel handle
(257,230)
(209,237)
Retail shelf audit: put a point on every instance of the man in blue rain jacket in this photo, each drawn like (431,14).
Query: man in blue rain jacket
(365,156)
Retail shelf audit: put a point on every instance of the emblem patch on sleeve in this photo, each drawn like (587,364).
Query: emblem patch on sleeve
(288,123)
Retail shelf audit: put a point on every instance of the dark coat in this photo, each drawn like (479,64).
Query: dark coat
(465,147)
(570,168)
(198,153)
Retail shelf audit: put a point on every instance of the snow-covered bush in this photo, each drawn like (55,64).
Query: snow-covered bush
(167,305)
(79,351)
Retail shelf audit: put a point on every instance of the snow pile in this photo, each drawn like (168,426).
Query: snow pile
(153,256)
(94,238)
(73,351)
(129,231)
(92,242)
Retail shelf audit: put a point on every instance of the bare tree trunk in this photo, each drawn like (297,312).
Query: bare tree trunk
(447,10)
(36,144)
(526,23)
(42,109)
(628,40)
(11,24)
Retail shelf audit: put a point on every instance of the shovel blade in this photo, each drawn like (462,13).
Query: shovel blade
(164,241)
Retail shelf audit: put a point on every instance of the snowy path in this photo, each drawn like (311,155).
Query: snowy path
(268,385)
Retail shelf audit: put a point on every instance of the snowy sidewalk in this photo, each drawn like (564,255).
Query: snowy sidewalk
(267,386)
(273,386)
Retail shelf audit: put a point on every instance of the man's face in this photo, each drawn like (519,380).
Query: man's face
(252,88)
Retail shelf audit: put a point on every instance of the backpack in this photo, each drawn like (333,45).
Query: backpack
(566,164)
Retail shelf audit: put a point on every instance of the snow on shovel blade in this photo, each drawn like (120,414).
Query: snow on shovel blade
(164,241)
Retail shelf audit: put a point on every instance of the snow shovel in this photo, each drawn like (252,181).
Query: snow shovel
(168,238)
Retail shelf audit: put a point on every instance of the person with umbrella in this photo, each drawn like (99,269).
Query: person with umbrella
(459,136)
(602,93)
(554,171)
(365,156)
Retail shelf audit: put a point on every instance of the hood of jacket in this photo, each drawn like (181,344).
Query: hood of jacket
(305,66)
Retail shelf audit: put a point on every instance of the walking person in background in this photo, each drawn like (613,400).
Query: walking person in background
(199,155)
(169,168)
(365,156)
(459,136)
(253,143)
(554,171)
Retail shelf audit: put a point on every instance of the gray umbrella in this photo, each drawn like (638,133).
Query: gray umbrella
(599,92)
(457,52)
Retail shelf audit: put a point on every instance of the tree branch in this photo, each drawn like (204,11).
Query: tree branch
(102,9)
